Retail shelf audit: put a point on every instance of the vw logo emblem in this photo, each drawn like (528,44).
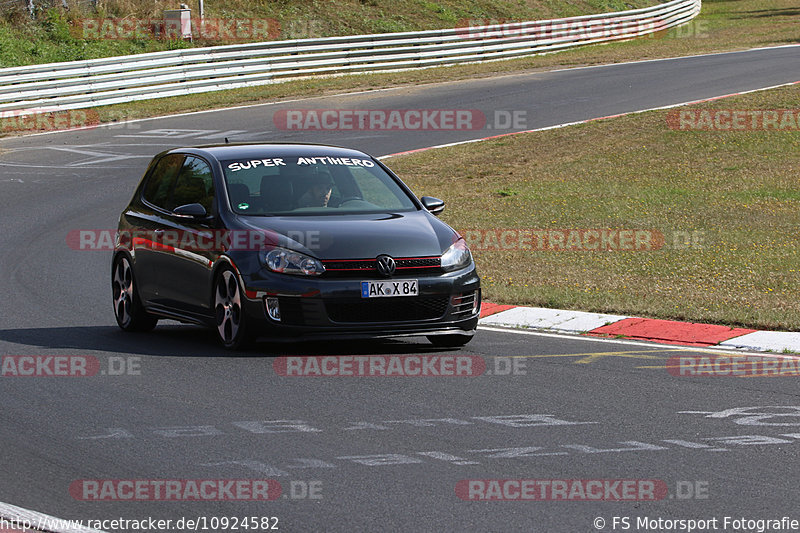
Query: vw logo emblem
(386,265)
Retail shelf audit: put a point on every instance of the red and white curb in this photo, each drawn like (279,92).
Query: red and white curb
(776,341)
(628,327)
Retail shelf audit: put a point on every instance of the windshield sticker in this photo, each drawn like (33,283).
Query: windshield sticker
(245,165)
(301,161)
(243,206)
(349,161)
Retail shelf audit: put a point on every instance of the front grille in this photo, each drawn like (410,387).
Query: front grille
(419,262)
(366,268)
(356,264)
(387,309)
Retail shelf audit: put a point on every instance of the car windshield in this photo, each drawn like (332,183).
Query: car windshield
(322,185)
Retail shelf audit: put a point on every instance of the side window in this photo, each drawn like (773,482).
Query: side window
(161,180)
(195,185)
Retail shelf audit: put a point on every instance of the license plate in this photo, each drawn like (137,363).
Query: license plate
(388,289)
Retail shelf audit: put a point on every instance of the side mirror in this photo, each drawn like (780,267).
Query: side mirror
(191,211)
(434,205)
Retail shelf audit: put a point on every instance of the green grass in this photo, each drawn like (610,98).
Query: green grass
(51,40)
(726,203)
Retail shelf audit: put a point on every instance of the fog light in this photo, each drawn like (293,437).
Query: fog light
(476,304)
(273,308)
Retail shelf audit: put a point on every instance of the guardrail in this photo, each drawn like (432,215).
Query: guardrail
(81,84)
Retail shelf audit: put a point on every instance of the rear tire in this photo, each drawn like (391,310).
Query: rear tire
(128,308)
(449,341)
(229,318)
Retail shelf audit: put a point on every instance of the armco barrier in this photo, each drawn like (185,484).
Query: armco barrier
(89,83)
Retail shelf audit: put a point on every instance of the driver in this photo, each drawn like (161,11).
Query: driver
(318,192)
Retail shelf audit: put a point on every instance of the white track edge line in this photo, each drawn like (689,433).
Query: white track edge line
(585,121)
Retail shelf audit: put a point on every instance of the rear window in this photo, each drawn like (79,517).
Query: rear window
(312,185)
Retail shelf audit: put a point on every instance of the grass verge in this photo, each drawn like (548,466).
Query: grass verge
(726,203)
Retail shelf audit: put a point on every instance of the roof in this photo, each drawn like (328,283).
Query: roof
(261,150)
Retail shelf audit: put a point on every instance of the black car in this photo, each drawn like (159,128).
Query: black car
(290,241)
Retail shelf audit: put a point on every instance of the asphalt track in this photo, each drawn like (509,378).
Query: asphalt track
(381,453)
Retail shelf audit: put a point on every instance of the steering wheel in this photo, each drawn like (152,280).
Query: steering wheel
(348,199)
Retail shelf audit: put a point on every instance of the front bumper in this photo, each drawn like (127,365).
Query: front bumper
(317,308)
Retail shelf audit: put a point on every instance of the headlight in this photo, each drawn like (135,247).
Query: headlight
(457,256)
(291,262)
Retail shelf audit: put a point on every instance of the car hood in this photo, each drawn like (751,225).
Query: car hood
(359,236)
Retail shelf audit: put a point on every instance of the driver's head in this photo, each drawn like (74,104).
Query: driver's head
(318,190)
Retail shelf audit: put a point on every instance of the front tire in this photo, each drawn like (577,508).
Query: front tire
(230,321)
(128,308)
(449,341)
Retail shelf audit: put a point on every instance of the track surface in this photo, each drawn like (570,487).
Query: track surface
(583,409)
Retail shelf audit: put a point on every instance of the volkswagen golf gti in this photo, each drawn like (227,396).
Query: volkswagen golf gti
(290,241)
